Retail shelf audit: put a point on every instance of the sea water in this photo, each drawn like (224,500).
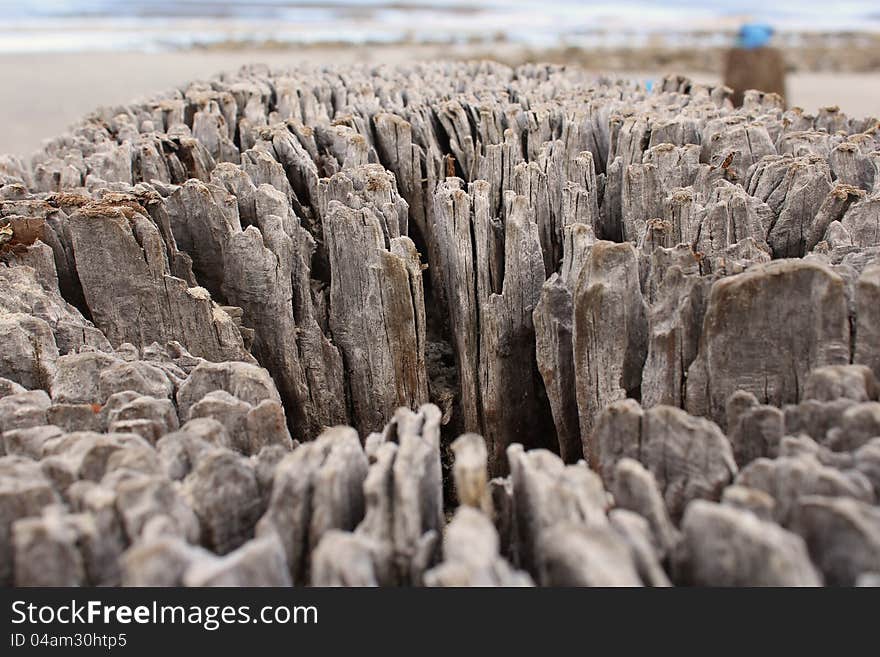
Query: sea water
(149,25)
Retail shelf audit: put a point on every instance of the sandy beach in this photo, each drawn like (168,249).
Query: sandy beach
(46,92)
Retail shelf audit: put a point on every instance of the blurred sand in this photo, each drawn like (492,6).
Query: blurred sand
(44,93)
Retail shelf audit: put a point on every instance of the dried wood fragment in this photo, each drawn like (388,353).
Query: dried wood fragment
(607,301)
(122,264)
(689,456)
(755,550)
(744,348)
(491,317)
(377,314)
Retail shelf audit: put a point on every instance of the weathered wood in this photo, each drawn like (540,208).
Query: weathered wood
(607,301)
(553,336)
(646,185)
(735,145)
(675,322)
(491,318)
(636,489)
(547,493)
(376,314)
(689,457)
(789,478)
(470,472)
(728,219)
(743,313)
(195,286)
(833,528)
(317,488)
(755,430)
(267,274)
(553,318)
(868,301)
(771,555)
(470,546)
(122,265)
(403,495)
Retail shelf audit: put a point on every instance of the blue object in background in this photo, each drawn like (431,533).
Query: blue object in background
(754,35)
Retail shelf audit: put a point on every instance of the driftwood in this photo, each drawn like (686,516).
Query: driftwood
(448,324)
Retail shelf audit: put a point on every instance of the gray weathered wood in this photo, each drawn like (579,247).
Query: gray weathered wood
(200,289)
